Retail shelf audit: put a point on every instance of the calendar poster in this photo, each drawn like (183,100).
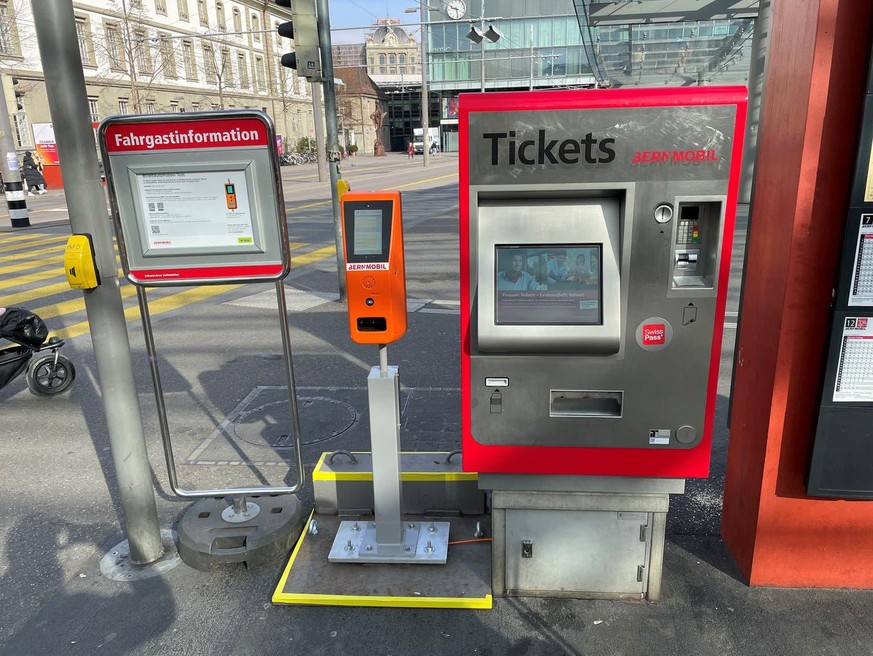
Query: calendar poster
(861,292)
(855,367)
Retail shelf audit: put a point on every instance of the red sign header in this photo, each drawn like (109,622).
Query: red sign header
(188,134)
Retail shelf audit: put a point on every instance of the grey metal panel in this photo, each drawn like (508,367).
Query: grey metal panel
(640,129)
(550,221)
(655,560)
(384,400)
(606,484)
(575,552)
(581,501)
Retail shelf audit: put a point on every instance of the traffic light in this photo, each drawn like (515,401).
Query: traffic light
(305,59)
(19,97)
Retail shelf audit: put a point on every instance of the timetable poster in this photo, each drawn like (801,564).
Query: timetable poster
(855,367)
(861,292)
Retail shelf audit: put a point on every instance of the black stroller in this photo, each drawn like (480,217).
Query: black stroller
(47,374)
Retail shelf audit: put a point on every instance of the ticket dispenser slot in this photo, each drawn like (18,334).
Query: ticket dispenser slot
(696,244)
(372,227)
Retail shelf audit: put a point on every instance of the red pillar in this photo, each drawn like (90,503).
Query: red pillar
(809,130)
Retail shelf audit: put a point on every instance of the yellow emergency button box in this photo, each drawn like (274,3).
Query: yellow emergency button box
(342,186)
(79,263)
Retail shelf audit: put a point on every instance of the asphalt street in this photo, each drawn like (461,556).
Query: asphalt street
(59,497)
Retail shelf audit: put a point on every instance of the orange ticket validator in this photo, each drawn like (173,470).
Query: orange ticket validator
(230,195)
(375,274)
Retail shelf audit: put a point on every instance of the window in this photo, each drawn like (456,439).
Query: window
(278,36)
(201,12)
(161,7)
(392,59)
(401,59)
(174,106)
(143,51)
(219,12)
(113,46)
(243,69)
(122,105)
(149,106)
(382,60)
(260,72)
(86,47)
(195,106)
(7,27)
(168,57)
(93,110)
(188,60)
(209,62)
(237,21)
(183,9)
(403,70)
(225,70)
(23,138)
(256,29)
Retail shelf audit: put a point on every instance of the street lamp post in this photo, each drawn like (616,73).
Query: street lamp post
(425,95)
(479,36)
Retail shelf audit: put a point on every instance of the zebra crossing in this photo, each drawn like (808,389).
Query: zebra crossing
(32,276)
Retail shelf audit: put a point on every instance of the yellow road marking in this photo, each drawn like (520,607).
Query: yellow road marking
(408,184)
(161,305)
(20,237)
(35,242)
(40,251)
(7,283)
(313,256)
(30,265)
(75,305)
(22,298)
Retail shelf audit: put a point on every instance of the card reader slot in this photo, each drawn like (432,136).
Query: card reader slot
(585,403)
(372,324)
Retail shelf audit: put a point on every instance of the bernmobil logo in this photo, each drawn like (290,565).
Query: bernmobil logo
(654,334)
(507,148)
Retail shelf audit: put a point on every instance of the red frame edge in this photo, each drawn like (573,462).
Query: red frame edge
(602,461)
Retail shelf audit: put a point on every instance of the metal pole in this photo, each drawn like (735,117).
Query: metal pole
(425,96)
(482,51)
(12,183)
(333,155)
(68,102)
(318,115)
(760,41)
(530,88)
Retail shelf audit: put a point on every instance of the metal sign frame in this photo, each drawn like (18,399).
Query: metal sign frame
(147,157)
(152,142)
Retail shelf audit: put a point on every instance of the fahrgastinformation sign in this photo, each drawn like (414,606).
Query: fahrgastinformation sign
(196,198)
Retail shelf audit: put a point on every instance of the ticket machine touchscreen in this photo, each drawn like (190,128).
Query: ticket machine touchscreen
(557,284)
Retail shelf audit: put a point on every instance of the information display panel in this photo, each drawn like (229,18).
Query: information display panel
(196,198)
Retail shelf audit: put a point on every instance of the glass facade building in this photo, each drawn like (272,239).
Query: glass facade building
(548,44)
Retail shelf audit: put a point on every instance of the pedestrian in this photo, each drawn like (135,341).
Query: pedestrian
(410,151)
(31,170)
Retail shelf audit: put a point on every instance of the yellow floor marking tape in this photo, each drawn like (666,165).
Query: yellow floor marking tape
(282,597)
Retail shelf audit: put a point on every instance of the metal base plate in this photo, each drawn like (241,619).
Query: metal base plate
(463,582)
(423,543)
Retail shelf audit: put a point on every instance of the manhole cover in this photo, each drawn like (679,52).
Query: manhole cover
(321,419)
